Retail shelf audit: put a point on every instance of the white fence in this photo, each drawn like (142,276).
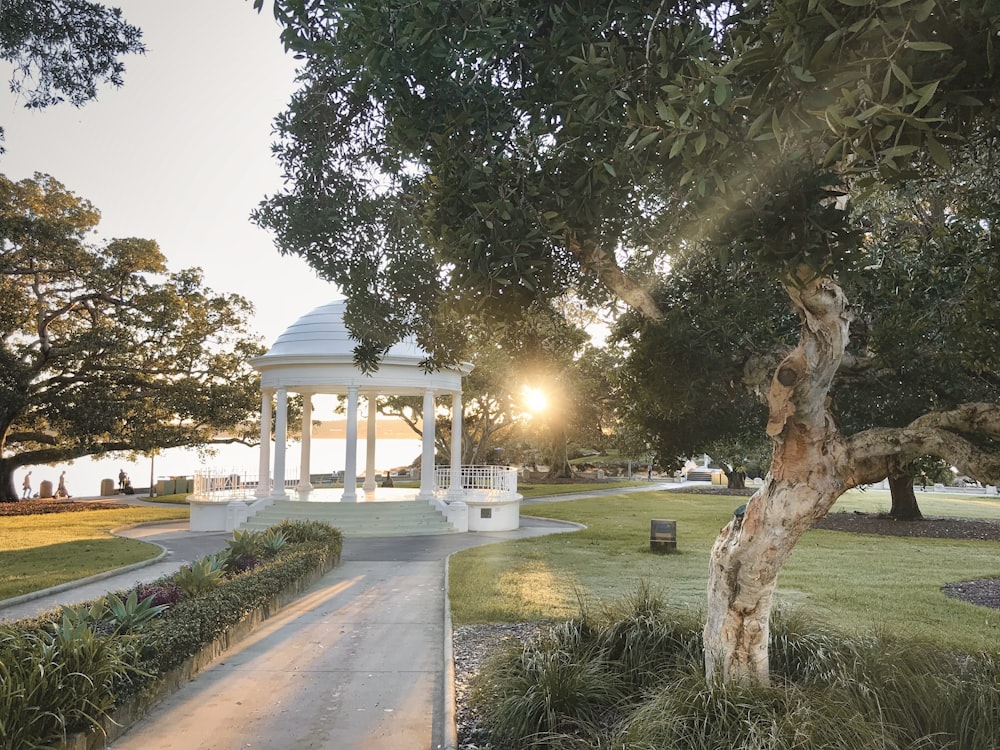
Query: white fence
(224,485)
(497,481)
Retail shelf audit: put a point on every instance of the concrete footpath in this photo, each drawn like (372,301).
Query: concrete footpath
(361,660)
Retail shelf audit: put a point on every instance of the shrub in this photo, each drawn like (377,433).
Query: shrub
(167,592)
(199,577)
(272,543)
(59,673)
(59,682)
(196,621)
(634,678)
(299,532)
(242,551)
(132,613)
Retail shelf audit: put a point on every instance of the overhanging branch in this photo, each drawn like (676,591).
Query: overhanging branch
(599,262)
(944,434)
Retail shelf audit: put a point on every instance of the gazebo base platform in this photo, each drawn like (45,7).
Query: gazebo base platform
(384,512)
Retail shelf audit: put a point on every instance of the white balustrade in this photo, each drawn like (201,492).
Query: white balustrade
(496,482)
(224,485)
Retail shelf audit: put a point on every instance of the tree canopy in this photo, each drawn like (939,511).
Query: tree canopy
(509,151)
(102,348)
(61,50)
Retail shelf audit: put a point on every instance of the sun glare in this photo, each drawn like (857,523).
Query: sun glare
(534,400)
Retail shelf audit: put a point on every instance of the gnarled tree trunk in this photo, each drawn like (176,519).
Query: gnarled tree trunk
(803,483)
(812,466)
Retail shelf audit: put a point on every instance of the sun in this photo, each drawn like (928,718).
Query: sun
(535,400)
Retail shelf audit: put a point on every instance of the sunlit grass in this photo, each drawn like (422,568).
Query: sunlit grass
(931,503)
(40,551)
(176,499)
(856,583)
(529,490)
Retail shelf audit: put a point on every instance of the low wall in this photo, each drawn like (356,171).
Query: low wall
(494,515)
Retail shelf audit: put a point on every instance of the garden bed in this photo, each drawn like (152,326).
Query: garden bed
(80,677)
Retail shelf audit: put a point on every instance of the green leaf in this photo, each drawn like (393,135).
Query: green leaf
(677,145)
(938,153)
(900,75)
(802,74)
(929,46)
(647,139)
(722,93)
(665,113)
(699,143)
(923,11)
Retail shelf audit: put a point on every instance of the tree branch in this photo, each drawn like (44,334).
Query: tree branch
(599,262)
(871,453)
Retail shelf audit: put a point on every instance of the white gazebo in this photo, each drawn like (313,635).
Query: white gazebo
(315,355)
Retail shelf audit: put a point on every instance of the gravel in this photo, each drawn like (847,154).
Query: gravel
(472,645)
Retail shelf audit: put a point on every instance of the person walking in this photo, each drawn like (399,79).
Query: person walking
(26,486)
(61,491)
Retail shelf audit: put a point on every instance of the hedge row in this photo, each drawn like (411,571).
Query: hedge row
(57,678)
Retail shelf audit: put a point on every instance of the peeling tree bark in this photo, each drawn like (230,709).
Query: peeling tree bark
(813,465)
(803,483)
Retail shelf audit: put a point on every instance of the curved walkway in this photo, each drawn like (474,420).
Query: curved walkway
(359,661)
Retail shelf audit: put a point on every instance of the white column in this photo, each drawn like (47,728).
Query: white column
(280,439)
(455,485)
(304,484)
(427,455)
(370,445)
(351,457)
(264,464)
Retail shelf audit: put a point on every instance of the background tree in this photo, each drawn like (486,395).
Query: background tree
(103,349)
(507,356)
(547,145)
(61,50)
(692,376)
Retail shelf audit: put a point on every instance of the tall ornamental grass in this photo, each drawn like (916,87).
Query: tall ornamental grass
(632,678)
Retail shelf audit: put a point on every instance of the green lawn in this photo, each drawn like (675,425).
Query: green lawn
(45,550)
(176,499)
(850,581)
(530,490)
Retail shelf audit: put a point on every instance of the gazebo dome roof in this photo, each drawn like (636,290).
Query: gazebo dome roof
(323,332)
(315,354)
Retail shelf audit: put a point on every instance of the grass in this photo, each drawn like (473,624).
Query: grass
(858,583)
(632,676)
(544,490)
(176,499)
(40,551)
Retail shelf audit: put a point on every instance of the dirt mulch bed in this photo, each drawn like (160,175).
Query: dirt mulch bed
(37,507)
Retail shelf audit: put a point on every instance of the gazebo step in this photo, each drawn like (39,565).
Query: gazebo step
(358,519)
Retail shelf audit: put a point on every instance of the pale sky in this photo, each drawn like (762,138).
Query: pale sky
(181,153)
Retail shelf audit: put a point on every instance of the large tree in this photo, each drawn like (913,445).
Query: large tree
(920,338)
(61,50)
(101,348)
(510,150)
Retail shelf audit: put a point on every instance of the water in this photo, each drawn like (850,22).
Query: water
(84,475)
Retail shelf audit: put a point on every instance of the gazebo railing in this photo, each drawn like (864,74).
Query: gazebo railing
(224,484)
(495,481)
